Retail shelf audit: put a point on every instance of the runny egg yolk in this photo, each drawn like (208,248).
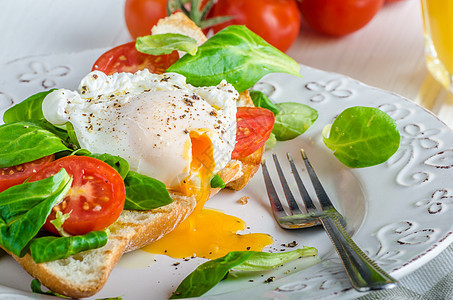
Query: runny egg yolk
(206,233)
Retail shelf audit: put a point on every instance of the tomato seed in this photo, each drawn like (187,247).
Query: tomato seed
(86,206)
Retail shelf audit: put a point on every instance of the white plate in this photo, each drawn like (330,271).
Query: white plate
(398,211)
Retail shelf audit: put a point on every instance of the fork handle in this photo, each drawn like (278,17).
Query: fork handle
(363,273)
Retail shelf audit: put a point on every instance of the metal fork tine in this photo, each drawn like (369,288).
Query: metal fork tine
(320,192)
(289,195)
(277,208)
(303,191)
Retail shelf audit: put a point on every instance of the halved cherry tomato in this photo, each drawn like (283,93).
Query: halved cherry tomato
(276,21)
(254,126)
(18,174)
(95,199)
(125,58)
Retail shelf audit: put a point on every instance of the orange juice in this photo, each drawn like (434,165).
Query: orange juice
(438,29)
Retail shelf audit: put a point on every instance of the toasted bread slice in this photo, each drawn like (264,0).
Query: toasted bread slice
(250,165)
(84,274)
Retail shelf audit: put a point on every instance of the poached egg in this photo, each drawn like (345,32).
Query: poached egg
(169,130)
(165,128)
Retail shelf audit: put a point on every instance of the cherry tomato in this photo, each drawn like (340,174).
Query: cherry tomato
(125,58)
(338,17)
(276,21)
(18,174)
(254,126)
(142,15)
(95,199)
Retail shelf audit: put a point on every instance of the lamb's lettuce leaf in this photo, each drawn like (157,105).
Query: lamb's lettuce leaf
(22,142)
(145,193)
(49,248)
(362,137)
(158,44)
(24,209)
(29,109)
(292,120)
(210,273)
(237,55)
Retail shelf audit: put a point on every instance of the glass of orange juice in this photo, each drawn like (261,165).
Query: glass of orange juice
(438,30)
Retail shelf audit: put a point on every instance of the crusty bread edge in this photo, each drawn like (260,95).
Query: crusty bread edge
(179,23)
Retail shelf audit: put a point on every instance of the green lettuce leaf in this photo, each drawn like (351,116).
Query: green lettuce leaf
(158,44)
(24,209)
(362,137)
(145,193)
(237,55)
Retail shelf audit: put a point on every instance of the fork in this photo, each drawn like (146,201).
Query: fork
(364,274)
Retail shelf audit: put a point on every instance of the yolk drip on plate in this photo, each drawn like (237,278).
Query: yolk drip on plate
(206,232)
(209,234)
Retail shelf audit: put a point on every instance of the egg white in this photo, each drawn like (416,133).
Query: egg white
(148,119)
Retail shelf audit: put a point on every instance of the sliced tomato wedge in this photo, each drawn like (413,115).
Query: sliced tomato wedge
(95,199)
(254,126)
(125,58)
(18,174)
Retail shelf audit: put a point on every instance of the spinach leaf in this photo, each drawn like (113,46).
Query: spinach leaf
(362,137)
(24,209)
(22,142)
(237,55)
(61,133)
(271,141)
(207,275)
(217,182)
(72,135)
(261,261)
(51,248)
(59,220)
(261,100)
(81,152)
(116,162)
(158,44)
(29,109)
(292,120)
(35,286)
(145,193)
